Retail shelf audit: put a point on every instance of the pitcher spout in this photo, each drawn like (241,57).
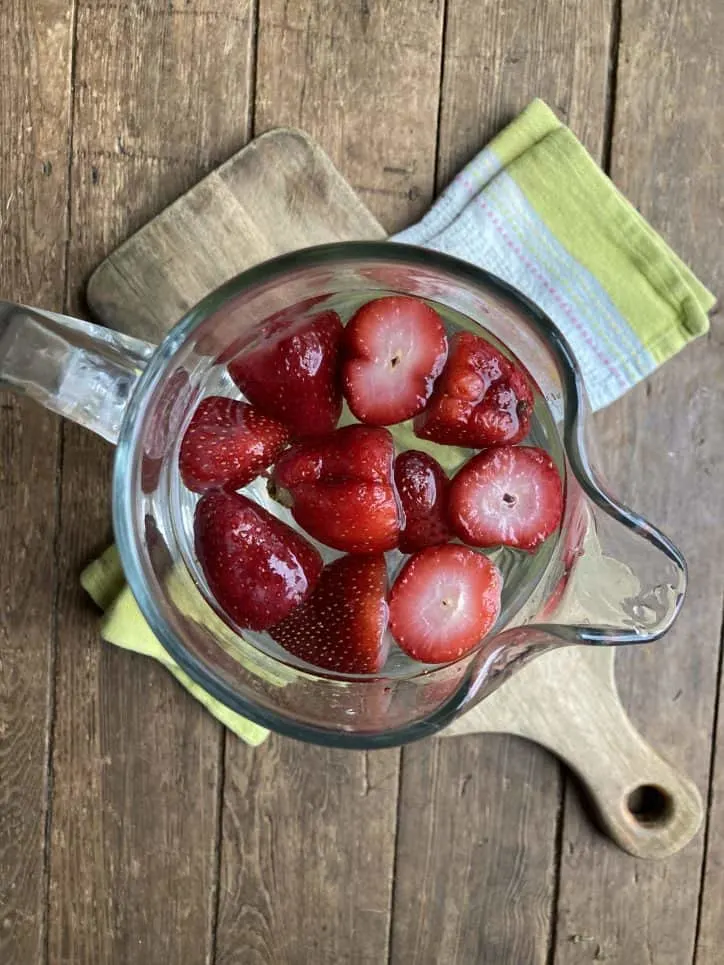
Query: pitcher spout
(622,580)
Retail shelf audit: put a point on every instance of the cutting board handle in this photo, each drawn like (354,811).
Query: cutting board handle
(567,701)
(650,809)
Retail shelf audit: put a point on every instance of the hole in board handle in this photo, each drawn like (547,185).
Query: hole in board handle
(650,806)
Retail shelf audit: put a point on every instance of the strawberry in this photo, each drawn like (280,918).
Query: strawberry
(394,349)
(340,489)
(444,601)
(290,372)
(511,496)
(258,568)
(481,399)
(341,626)
(227,444)
(224,340)
(422,487)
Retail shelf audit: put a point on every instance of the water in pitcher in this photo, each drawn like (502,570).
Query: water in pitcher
(520,570)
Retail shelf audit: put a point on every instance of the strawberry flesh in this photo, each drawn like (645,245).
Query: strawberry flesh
(422,487)
(394,349)
(445,600)
(258,568)
(341,489)
(481,399)
(341,626)
(290,372)
(227,444)
(511,496)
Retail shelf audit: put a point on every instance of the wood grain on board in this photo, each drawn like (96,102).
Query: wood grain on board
(279,194)
(490,889)
(310,878)
(34,111)
(664,452)
(161,96)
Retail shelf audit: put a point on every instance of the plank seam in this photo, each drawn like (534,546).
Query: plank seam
(710,792)
(215,901)
(53,669)
(566,780)
(221,753)
(438,119)
(401,757)
(612,83)
(563,781)
(253,71)
(393,889)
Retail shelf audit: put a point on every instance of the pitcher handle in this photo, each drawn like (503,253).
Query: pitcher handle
(82,371)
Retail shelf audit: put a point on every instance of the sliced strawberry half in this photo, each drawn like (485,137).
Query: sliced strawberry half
(227,444)
(422,487)
(340,489)
(481,399)
(258,568)
(444,601)
(511,496)
(291,372)
(394,348)
(341,626)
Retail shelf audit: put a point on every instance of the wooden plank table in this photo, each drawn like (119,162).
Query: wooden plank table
(132,829)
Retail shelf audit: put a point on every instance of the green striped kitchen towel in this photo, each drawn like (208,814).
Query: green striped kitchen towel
(535,209)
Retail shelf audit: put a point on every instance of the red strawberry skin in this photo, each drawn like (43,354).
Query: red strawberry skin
(227,444)
(341,626)
(341,489)
(510,496)
(394,348)
(445,600)
(291,372)
(422,487)
(481,399)
(258,568)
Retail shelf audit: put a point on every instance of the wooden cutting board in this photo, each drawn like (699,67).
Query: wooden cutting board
(282,193)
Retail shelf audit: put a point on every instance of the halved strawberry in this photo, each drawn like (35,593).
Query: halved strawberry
(258,568)
(444,601)
(341,626)
(395,347)
(227,444)
(481,398)
(340,489)
(422,487)
(290,372)
(230,318)
(511,496)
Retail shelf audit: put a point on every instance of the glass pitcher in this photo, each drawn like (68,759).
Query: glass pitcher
(608,576)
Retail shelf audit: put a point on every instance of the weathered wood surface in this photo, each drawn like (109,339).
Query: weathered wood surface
(279,194)
(477,873)
(156,848)
(667,131)
(34,112)
(363,78)
(136,763)
(308,858)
